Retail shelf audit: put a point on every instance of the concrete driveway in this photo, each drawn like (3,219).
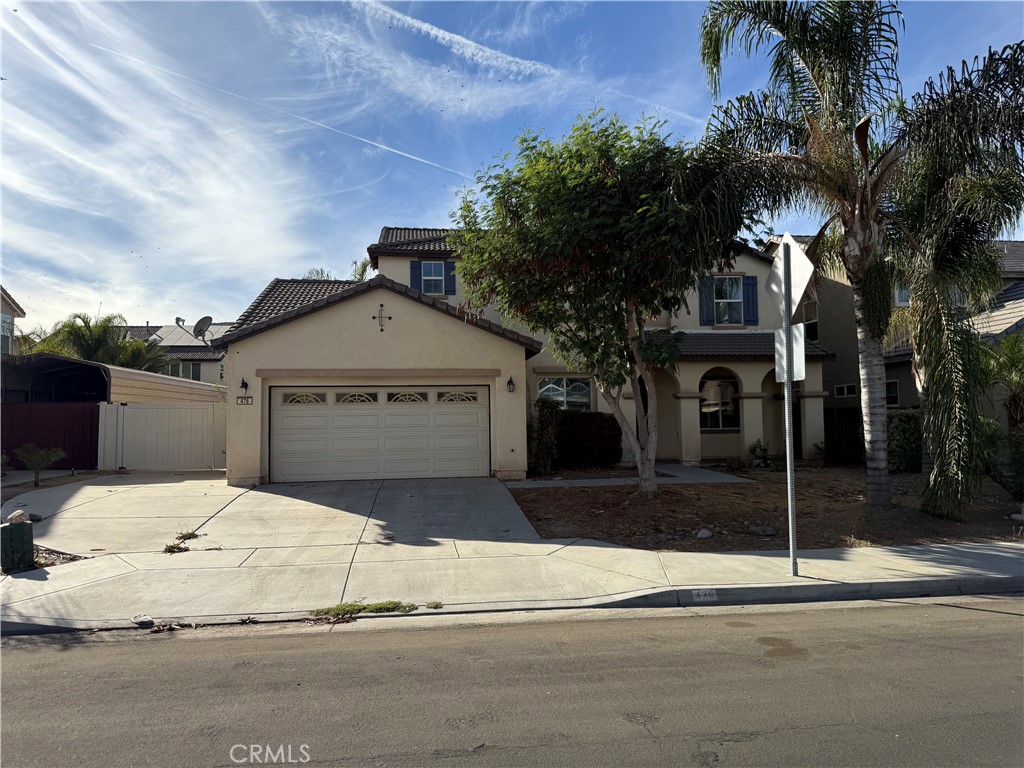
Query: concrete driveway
(387,519)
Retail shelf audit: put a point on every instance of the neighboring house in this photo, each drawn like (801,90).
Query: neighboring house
(191,358)
(833,310)
(10,310)
(394,377)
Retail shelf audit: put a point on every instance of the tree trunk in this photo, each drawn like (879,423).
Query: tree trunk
(920,380)
(872,404)
(643,454)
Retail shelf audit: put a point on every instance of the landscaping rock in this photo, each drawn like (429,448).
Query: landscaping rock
(762,530)
(1016,516)
(704,533)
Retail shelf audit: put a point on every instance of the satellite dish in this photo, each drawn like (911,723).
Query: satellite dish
(202,327)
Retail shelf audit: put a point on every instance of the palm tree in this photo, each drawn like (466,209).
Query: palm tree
(833,124)
(103,340)
(1004,368)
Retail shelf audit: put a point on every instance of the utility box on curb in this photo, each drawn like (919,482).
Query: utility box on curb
(16,547)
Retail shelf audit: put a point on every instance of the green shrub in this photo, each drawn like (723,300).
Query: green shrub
(545,431)
(587,439)
(37,459)
(760,450)
(904,430)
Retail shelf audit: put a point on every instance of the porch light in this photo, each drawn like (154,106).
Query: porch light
(244,385)
(511,385)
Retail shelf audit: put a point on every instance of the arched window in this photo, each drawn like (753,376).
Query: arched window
(719,403)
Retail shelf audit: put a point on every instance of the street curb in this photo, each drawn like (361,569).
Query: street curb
(658,597)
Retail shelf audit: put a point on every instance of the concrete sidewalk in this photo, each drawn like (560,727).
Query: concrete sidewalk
(277,552)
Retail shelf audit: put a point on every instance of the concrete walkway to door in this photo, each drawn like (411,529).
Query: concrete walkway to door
(280,551)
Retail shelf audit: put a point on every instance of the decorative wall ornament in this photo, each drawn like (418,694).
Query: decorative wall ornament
(380,317)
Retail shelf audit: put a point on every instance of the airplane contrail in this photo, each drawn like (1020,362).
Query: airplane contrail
(318,124)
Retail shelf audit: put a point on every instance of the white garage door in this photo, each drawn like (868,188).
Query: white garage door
(351,433)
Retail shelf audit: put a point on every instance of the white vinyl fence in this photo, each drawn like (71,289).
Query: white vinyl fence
(162,436)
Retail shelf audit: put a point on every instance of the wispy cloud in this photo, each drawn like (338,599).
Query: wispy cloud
(126,185)
(532,20)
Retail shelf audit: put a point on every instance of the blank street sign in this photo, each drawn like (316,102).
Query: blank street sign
(803,270)
(799,373)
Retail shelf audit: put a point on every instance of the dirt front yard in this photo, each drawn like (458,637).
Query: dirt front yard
(830,513)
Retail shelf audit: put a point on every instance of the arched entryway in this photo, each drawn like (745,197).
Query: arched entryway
(720,415)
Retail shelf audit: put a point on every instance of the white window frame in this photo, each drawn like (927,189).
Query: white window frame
(563,402)
(194,368)
(432,278)
(897,403)
(739,301)
(846,390)
(900,290)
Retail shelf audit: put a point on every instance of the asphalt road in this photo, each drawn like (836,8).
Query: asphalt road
(913,685)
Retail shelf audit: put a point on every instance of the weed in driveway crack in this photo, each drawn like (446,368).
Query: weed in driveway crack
(348,611)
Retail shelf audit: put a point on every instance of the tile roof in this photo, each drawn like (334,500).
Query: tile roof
(732,346)
(283,295)
(400,241)
(282,301)
(141,332)
(1004,318)
(1012,254)
(193,353)
(1006,315)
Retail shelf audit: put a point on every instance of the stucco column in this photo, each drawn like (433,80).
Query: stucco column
(751,421)
(812,424)
(689,427)
(812,414)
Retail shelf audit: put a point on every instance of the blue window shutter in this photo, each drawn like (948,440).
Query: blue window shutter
(416,275)
(449,278)
(706,293)
(750,300)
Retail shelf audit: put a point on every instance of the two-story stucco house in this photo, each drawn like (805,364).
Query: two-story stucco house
(392,377)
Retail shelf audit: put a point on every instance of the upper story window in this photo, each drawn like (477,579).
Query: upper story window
(185,370)
(892,393)
(572,394)
(436,278)
(433,277)
(810,308)
(7,331)
(728,301)
(901,295)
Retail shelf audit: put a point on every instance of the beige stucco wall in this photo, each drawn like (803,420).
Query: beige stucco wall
(341,345)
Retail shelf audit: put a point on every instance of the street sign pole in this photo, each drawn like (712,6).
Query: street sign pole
(787,330)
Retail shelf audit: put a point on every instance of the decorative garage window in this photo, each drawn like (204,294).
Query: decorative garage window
(355,397)
(457,397)
(304,398)
(407,397)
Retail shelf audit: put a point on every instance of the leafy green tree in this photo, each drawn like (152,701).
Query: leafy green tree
(102,340)
(585,238)
(318,273)
(832,122)
(1003,366)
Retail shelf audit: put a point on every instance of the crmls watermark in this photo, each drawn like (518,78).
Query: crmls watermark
(265,754)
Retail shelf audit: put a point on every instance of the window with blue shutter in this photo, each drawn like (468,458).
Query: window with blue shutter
(449,278)
(750,300)
(706,295)
(416,275)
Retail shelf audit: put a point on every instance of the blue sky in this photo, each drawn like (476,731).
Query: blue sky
(170,159)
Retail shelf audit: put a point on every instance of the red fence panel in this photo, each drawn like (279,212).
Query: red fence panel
(75,427)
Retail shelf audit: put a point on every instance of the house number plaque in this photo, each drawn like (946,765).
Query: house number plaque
(244,400)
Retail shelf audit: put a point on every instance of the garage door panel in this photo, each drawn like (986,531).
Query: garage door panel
(357,444)
(403,420)
(297,445)
(376,432)
(407,442)
(357,420)
(304,421)
(474,418)
(459,443)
